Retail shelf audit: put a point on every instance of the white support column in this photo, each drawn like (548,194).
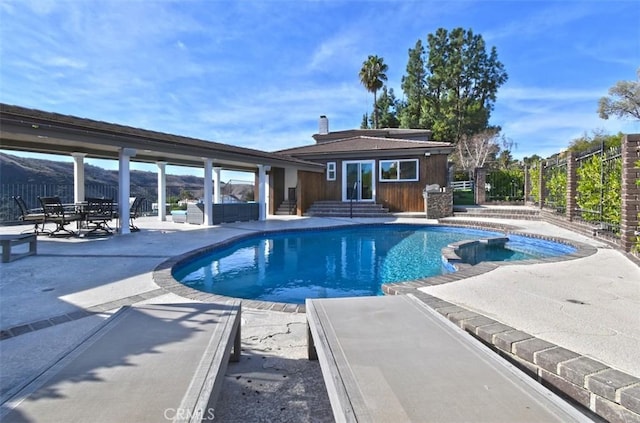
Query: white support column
(208,188)
(78,176)
(162,191)
(124,187)
(217,195)
(262,191)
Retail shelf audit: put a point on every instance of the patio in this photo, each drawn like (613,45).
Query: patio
(50,301)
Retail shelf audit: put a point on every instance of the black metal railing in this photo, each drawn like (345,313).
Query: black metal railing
(10,213)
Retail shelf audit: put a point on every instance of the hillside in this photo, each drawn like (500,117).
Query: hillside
(20,171)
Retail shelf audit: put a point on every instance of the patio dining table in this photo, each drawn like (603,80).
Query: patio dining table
(96,211)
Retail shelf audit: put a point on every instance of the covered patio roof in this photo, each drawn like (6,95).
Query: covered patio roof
(23,129)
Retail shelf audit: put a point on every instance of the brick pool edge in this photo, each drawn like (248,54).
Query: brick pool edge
(594,386)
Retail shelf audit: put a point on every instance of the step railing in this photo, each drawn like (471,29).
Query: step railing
(353,194)
(293,199)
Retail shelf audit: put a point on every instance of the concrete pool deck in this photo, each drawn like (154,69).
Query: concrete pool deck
(48,302)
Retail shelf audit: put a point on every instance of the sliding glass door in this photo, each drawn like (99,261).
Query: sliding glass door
(358,181)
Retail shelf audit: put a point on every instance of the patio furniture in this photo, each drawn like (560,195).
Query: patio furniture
(223,212)
(134,212)
(179,216)
(392,358)
(9,241)
(54,212)
(146,363)
(98,212)
(28,215)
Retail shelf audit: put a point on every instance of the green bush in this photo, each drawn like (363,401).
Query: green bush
(556,184)
(534,177)
(597,185)
(176,206)
(506,184)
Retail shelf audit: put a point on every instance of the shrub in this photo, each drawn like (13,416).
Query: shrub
(599,189)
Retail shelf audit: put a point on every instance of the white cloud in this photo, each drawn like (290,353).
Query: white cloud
(546,17)
(65,62)
(242,74)
(548,94)
(42,7)
(334,50)
(544,121)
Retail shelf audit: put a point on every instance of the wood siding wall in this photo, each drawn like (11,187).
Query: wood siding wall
(311,187)
(396,196)
(407,196)
(333,189)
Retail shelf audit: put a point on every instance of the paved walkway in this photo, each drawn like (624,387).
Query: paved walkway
(589,305)
(50,301)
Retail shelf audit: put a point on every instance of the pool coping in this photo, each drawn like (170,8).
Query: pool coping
(163,277)
(598,389)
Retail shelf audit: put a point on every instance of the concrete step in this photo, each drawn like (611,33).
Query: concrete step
(285,208)
(341,205)
(519,216)
(346,214)
(497,212)
(345,209)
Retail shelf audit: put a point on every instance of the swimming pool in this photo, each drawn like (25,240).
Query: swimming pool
(291,266)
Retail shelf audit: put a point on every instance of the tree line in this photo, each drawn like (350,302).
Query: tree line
(450,87)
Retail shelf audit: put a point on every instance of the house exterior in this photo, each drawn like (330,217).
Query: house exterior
(390,167)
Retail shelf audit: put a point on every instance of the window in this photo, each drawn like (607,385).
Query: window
(331,171)
(398,170)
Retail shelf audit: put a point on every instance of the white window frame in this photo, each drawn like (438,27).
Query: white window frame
(331,171)
(399,161)
(345,187)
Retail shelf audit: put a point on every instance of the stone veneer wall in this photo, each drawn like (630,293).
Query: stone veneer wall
(438,204)
(480,190)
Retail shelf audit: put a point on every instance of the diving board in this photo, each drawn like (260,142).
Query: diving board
(146,363)
(393,359)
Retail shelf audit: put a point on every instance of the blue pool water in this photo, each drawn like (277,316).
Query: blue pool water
(355,261)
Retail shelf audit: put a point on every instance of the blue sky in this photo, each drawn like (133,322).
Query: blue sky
(259,73)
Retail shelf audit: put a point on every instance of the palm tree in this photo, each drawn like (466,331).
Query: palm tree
(372,76)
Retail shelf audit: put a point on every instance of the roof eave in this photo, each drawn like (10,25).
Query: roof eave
(36,131)
(385,153)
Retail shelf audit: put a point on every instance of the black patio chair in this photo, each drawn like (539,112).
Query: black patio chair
(98,212)
(134,213)
(29,215)
(54,212)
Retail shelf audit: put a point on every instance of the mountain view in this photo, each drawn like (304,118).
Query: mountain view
(30,178)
